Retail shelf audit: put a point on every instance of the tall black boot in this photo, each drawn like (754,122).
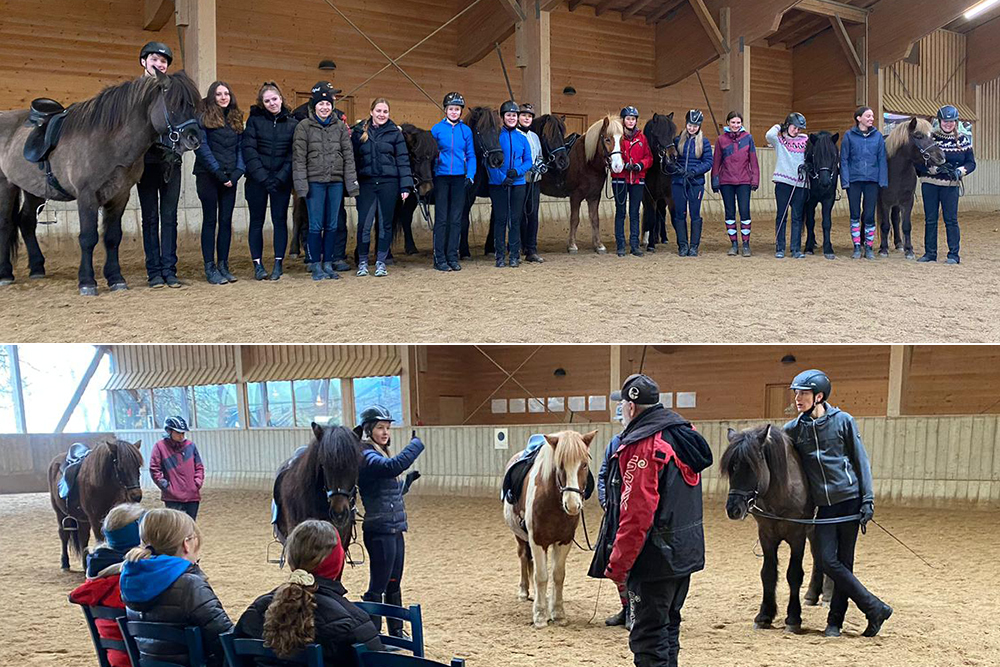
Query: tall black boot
(395,624)
(376,620)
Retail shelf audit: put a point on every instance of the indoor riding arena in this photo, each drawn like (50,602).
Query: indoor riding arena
(578,60)
(927,416)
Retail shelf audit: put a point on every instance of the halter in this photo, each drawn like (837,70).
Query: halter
(351,494)
(173,134)
(487,152)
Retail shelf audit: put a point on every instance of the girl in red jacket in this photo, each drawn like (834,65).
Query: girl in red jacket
(627,185)
(735,172)
(175,466)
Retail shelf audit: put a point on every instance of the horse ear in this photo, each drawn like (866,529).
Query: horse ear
(138,445)
(913,124)
(552,440)
(317,430)
(670,116)
(767,432)
(731,434)
(812,138)
(589,437)
(835,138)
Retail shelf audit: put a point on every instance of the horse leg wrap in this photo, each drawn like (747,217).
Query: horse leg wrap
(870,236)
(856,232)
(731,229)
(745,229)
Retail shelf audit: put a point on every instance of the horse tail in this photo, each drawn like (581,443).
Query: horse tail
(74,542)
(15,231)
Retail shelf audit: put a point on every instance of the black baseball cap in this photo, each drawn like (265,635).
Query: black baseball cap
(638,388)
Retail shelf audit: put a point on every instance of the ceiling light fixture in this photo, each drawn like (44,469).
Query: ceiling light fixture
(977,9)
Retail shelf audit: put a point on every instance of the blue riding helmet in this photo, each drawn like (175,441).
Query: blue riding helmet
(947,112)
(630,111)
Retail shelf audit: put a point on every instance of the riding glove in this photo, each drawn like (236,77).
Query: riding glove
(867,512)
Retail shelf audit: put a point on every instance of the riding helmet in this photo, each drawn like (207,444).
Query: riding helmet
(812,380)
(630,111)
(323,90)
(455,99)
(796,119)
(947,112)
(510,106)
(175,423)
(527,107)
(375,413)
(157,47)
(695,117)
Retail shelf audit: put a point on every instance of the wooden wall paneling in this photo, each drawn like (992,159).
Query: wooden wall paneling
(771,89)
(823,84)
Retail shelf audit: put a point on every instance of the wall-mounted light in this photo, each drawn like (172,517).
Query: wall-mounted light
(559,372)
(569,90)
(788,359)
(327,65)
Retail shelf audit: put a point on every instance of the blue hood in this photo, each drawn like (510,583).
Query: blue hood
(145,579)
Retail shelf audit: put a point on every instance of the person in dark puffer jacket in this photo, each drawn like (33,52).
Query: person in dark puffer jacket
(939,186)
(162,583)
(218,167)
(385,514)
(267,150)
(687,183)
(383,164)
(311,607)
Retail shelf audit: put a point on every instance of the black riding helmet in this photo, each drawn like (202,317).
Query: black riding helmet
(947,112)
(510,106)
(695,117)
(453,99)
(630,111)
(371,415)
(812,380)
(796,119)
(175,423)
(157,47)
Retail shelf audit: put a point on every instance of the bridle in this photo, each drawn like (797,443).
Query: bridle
(119,475)
(487,152)
(173,134)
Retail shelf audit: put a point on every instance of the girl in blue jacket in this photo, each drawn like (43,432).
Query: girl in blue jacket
(385,516)
(507,187)
(863,170)
(454,170)
(687,183)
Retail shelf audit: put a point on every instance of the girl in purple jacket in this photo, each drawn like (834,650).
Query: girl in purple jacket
(736,173)
(175,466)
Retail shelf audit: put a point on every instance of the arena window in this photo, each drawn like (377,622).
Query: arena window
(381,390)
(215,406)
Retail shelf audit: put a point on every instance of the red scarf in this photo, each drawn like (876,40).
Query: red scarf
(333,565)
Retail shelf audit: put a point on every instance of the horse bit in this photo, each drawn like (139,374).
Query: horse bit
(173,134)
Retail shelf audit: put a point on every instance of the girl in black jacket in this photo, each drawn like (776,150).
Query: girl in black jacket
(218,167)
(383,175)
(311,607)
(267,149)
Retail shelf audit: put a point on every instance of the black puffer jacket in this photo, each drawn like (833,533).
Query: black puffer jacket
(383,155)
(220,153)
(339,624)
(267,147)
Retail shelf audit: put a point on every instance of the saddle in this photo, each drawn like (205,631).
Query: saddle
(46,117)
(70,468)
(275,502)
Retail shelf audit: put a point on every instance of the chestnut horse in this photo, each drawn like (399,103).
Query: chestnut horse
(108,476)
(549,505)
(589,161)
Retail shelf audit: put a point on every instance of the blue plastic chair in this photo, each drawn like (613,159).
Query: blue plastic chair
(101,645)
(410,614)
(368,658)
(187,637)
(242,652)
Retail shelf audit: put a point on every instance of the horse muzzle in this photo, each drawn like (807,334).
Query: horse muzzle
(424,187)
(495,159)
(189,139)
(134,495)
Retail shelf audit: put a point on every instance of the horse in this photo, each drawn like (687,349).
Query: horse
(658,198)
(766,479)
(823,169)
(108,476)
(587,174)
(908,145)
(319,481)
(423,150)
(550,502)
(97,159)
(485,124)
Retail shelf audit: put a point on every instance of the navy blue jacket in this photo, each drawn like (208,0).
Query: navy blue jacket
(382,490)
(384,155)
(220,153)
(862,158)
(267,147)
(516,156)
(456,152)
(957,149)
(688,164)
(602,476)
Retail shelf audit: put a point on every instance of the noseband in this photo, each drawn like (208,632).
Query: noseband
(487,152)
(351,495)
(173,134)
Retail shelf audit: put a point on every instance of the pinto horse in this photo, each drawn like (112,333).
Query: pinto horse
(766,479)
(585,178)
(320,481)
(545,517)
(108,476)
(658,198)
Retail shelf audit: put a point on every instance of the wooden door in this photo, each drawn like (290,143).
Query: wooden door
(575,122)
(779,403)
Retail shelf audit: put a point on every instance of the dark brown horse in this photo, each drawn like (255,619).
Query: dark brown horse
(97,160)
(908,145)
(320,482)
(485,125)
(108,476)
(423,150)
(589,161)
(766,477)
(658,198)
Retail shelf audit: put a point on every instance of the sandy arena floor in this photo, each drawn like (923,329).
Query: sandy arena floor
(582,298)
(462,568)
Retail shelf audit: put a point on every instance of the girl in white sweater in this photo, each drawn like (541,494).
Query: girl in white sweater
(790,184)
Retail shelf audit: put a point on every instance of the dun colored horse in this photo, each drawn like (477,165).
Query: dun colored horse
(907,146)
(108,476)
(320,481)
(550,504)
(766,477)
(822,162)
(585,179)
(96,161)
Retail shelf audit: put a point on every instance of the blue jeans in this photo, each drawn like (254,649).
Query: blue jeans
(323,204)
(687,199)
(631,195)
(944,197)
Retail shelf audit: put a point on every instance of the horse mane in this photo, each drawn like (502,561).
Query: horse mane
(743,451)
(485,115)
(824,142)
(103,460)
(900,135)
(550,124)
(422,139)
(110,109)
(570,448)
(339,449)
(593,134)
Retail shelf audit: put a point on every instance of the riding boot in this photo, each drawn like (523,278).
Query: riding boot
(682,249)
(857,251)
(693,251)
(735,250)
(224,270)
(259,272)
(276,273)
(746,248)
(212,274)
(617,619)
(395,624)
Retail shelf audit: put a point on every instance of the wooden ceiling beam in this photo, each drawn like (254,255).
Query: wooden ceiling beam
(634,8)
(660,14)
(829,8)
(479,29)
(983,63)
(708,23)
(840,32)
(573,4)
(156,13)
(513,8)
(603,6)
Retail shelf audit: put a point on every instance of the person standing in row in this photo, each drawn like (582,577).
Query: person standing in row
(790,187)
(533,180)
(687,183)
(175,466)
(628,185)
(454,171)
(507,187)
(159,190)
(322,168)
(218,167)
(384,176)
(736,174)
(267,151)
(864,169)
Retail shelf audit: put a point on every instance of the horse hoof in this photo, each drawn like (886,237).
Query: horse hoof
(883,253)
(523,597)
(910,255)
(88,290)
(38,275)
(811,602)
(573,250)
(119,287)
(6,281)
(762,625)
(601,250)
(561,622)
(793,629)
(541,625)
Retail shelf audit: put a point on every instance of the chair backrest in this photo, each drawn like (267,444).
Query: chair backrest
(188,638)
(241,652)
(410,614)
(101,645)
(368,658)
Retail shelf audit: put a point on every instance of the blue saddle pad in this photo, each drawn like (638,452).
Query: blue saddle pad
(70,468)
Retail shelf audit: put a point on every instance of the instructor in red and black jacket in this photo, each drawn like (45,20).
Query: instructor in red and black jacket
(652,537)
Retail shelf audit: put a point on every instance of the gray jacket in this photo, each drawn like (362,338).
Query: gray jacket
(834,457)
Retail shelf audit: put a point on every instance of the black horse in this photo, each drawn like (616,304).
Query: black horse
(423,151)
(823,169)
(485,124)
(658,199)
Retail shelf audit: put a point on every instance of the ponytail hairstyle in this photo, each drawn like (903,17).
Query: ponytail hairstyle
(368,123)
(860,112)
(289,622)
(162,532)
(119,517)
